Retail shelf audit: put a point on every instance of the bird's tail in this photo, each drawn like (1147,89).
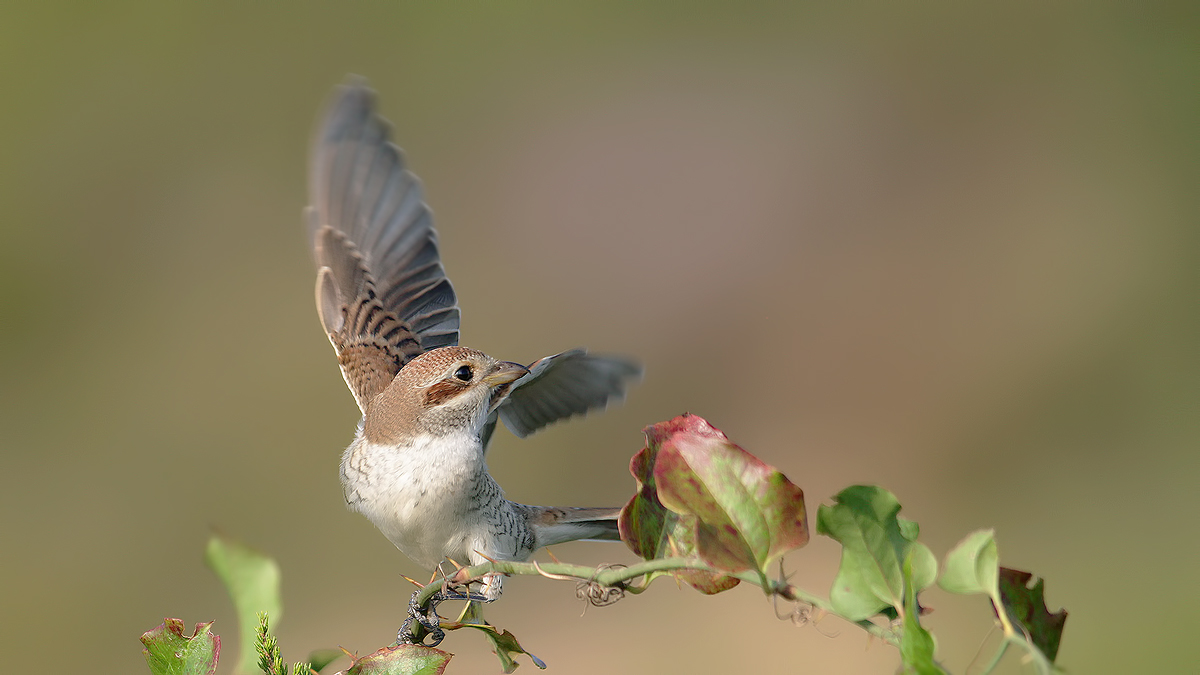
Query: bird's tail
(555,525)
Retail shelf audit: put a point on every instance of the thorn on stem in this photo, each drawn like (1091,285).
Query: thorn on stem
(549,575)
(487,558)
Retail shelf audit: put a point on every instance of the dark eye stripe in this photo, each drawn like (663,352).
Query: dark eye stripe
(440,392)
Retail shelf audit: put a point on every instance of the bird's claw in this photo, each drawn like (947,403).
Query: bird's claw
(428,618)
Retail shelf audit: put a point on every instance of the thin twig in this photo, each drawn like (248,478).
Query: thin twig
(618,577)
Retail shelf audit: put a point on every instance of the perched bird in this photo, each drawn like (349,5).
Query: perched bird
(416,467)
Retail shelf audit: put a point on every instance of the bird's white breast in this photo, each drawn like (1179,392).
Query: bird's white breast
(431,497)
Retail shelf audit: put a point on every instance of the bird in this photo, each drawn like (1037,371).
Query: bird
(416,467)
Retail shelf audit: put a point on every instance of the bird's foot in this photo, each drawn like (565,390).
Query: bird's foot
(427,617)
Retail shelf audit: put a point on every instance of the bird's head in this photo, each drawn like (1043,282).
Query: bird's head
(440,392)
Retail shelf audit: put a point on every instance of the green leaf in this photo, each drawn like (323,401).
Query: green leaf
(402,660)
(917,646)
(169,652)
(909,529)
(1025,605)
(871,576)
(973,566)
(504,644)
(736,512)
(252,580)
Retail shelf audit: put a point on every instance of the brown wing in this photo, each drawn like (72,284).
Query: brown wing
(382,293)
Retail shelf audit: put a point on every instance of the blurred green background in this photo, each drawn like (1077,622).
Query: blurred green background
(950,250)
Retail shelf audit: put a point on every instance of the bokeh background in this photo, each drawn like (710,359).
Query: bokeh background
(950,250)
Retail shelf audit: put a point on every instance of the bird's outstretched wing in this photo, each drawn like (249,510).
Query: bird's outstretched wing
(382,293)
(560,386)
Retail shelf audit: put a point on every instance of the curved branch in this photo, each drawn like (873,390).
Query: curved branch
(620,577)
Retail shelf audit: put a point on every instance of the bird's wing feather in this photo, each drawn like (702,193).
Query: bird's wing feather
(566,384)
(382,293)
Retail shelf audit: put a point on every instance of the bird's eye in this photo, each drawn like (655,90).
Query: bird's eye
(463,373)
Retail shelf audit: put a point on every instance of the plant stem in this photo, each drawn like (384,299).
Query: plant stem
(619,576)
(996,657)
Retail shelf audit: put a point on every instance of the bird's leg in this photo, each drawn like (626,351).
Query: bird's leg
(492,582)
(492,585)
(453,591)
(427,618)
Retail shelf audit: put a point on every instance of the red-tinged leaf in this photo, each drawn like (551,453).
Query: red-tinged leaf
(169,652)
(652,531)
(686,424)
(647,527)
(1026,605)
(645,524)
(748,513)
(402,660)
(706,582)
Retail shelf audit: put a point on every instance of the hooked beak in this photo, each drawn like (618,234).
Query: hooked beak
(506,372)
(501,379)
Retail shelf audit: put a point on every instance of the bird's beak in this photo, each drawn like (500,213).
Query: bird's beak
(505,372)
